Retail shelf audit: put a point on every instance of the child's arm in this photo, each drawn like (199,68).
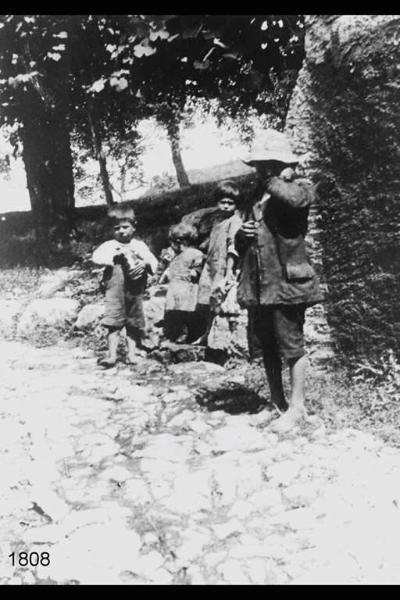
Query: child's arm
(164,277)
(230,265)
(204,244)
(167,255)
(148,257)
(232,253)
(196,267)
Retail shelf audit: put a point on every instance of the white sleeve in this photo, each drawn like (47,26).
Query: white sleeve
(144,252)
(104,254)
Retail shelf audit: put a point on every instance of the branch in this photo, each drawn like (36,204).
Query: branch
(47,98)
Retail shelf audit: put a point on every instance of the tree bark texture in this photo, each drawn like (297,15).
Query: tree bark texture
(174,139)
(344,115)
(48,164)
(98,146)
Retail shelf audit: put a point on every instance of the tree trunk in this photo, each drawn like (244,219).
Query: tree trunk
(48,164)
(123,181)
(174,139)
(98,147)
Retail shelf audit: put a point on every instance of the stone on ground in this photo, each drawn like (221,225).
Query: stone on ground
(89,316)
(52,312)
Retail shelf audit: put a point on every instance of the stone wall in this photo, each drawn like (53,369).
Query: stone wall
(344,115)
(155,214)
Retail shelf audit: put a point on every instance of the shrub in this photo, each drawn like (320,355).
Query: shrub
(358,175)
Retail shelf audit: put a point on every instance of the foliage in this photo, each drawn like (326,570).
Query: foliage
(123,164)
(385,373)
(162,183)
(32,60)
(229,57)
(124,67)
(343,400)
(19,283)
(358,187)
(244,61)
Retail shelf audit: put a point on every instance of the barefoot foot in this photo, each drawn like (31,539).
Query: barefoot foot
(290,419)
(107,362)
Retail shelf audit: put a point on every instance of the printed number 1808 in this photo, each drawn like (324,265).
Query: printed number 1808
(32,559)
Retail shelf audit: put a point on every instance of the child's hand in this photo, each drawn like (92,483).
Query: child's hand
(194,275)
(288,174)
(137,270)
(119,259)
(164,277)
(230,279)
(249,229)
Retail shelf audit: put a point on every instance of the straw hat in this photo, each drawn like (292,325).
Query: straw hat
(271,145)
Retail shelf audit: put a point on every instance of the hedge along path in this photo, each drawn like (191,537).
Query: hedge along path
(343,134)
(121,477)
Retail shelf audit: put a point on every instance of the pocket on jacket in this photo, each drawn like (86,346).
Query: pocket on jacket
(298,272)
(293,258)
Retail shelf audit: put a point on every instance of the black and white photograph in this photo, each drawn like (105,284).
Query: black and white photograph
(199,300)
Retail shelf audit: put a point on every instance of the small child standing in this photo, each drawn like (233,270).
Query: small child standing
(128,262)
(168,254)
(217,277)
(182,274)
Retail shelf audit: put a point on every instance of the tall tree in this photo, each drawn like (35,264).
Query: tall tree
(99,111)
(169,115)
(174,139)
(100,155)
(34,94)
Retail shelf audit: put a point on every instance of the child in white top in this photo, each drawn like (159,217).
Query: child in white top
(128,262)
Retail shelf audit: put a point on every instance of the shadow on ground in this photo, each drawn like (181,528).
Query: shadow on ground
(233,399)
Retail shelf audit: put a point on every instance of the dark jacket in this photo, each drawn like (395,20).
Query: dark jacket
(274,267)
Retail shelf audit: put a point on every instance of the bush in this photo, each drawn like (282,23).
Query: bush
(358,175)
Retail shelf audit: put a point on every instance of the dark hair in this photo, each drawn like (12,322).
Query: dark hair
(182,231)
(226,189)
(121,213)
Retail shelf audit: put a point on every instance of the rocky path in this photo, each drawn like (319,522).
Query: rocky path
(121,477)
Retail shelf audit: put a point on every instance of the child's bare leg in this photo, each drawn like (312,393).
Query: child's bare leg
(296,409)
(132,347)
(113,342)
(133,340)
(113,337)
(297,368)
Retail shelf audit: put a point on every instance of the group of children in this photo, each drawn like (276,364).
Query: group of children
(198,279)
(276,281)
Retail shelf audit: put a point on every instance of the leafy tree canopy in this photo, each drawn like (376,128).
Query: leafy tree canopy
(154,60)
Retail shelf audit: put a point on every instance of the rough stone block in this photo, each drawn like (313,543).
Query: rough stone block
(53,312)
(89,316)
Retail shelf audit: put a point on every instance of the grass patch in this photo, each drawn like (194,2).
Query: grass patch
(343,400)
(20,283)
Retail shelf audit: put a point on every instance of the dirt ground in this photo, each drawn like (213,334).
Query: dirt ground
(121,476)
